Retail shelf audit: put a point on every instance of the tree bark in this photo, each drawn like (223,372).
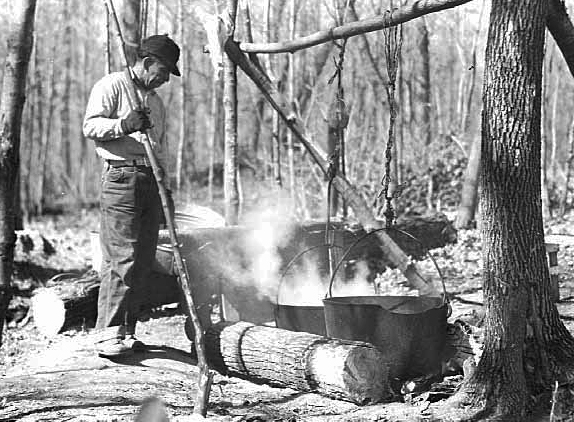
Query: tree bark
(516,277)
(424,85)
(20,41)
(347,370)
(231,173)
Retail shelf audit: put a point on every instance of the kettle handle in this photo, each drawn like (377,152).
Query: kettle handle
(360,239)
(296,257)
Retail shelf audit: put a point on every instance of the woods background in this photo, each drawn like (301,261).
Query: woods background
(439,87)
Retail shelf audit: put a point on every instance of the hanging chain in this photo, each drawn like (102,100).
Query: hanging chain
(393,37)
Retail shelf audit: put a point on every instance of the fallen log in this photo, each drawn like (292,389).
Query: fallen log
(428,232)
(79,293)
(346,370)
(209,253)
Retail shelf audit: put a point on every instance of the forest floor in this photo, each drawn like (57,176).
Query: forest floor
(61,378)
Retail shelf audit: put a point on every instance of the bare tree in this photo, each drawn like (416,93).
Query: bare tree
(184,103)
(569,162)
(20,43)
(46,134)
(231,173)
(469,195)
(423,88)
(65,142)
(526,345)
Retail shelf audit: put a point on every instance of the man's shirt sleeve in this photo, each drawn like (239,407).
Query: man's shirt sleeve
(101,122)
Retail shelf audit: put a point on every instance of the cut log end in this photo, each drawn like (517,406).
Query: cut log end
(355,368)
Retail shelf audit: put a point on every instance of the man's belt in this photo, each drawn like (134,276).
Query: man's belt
(137,162)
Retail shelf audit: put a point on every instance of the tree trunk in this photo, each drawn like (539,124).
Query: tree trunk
(32,176)
(469,196)
(24,192)
(46,134)
(553,136)
(569,162)
(230,180)
(65,142)
(514,257)
(259,101)
(472,81)
(184,105)
(86,170)
(291,99)
(215,133)
(276,150)
(130,16)
(424,86)
(20,41)
(347,370)
(546,211)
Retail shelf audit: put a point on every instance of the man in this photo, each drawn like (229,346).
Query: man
(130,205)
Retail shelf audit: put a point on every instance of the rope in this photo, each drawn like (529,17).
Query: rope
(342,117)
(336,160)
(393,43)
(331,173)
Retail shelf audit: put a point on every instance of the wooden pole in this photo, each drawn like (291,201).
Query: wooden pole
(399,15)
(20,41)
(205,375)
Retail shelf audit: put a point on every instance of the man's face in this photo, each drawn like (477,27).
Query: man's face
(156,75)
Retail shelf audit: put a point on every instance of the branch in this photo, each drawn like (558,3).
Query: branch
(386,20)
(562,30)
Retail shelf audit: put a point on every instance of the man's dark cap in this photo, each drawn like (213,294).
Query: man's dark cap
(164,48)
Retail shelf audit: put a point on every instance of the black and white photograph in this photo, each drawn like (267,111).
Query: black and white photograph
(287,210)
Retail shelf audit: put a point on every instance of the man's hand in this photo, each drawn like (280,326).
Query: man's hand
(136,120)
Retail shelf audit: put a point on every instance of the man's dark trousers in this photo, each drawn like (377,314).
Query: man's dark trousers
(130,209)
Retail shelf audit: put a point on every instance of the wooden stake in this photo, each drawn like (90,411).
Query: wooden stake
(204,385)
